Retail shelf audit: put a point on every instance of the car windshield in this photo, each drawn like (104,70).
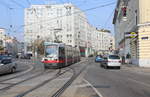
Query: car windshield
(114,57)
(3,56)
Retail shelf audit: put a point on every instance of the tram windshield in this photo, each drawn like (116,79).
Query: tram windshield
(51,51)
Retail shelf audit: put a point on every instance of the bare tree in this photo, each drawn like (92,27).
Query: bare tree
(38,46)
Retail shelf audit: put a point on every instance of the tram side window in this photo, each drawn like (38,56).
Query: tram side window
(61,52)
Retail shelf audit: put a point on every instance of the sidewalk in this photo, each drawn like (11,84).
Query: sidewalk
(136,68)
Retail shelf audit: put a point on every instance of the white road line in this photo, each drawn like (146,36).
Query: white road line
(139,82)
(28,70)
(63,79)
(97,92)
(82,86)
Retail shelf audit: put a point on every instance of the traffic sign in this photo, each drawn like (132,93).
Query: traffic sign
(133,34)
(130,34)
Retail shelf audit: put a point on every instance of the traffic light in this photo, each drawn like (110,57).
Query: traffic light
(124,11)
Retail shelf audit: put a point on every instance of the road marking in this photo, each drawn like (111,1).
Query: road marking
(97,92)
(63,79)
(28,70)
(82,86)
(139,82)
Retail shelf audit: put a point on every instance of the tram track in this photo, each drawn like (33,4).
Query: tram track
(19,74)
(27,79)
(68,83)
(39,85)
(42,84)
(60,90)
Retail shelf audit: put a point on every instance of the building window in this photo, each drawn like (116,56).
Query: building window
(68,10)
(70,35)
(78,36)
(59,12)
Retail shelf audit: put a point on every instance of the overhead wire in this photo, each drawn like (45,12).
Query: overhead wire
(84,2)
(5,5)
(109,17)
(68,1)
(61,1)
(93,8)
(20,5)
(28,2)
(8,10)
(89,9)
(9,14)
(48,20)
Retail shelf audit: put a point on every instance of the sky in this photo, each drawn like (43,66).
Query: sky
(12,13)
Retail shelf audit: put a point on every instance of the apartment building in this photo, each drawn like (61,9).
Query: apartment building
(63,22)
(133,16)
(2,37)
(105,41)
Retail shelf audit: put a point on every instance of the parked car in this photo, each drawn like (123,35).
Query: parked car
(6,64)
(111,61)
(98,58)
(25,56)
(90,55)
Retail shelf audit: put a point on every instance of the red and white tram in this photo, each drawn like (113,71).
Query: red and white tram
(58,55)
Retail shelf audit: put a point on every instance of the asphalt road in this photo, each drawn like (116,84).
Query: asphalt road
(118,83)
(38,82)
(24,67)
(94,81)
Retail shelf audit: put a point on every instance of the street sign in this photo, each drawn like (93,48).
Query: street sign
(130,34)
(133,34)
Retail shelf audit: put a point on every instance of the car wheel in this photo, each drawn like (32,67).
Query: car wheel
(101,65)
(118,67)
(13,70)
(106,67)
(45,67)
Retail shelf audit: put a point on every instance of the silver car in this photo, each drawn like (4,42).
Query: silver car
(111,61)
(6,65)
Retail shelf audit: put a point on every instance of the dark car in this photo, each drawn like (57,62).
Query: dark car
(90,55)
(25,56)
(6,64)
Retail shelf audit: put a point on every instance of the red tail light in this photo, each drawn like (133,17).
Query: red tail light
(120,61)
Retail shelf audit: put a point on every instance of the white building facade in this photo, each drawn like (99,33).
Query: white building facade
(133,16)
(2,37)
(65,22)
(105,41)
(62,22)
